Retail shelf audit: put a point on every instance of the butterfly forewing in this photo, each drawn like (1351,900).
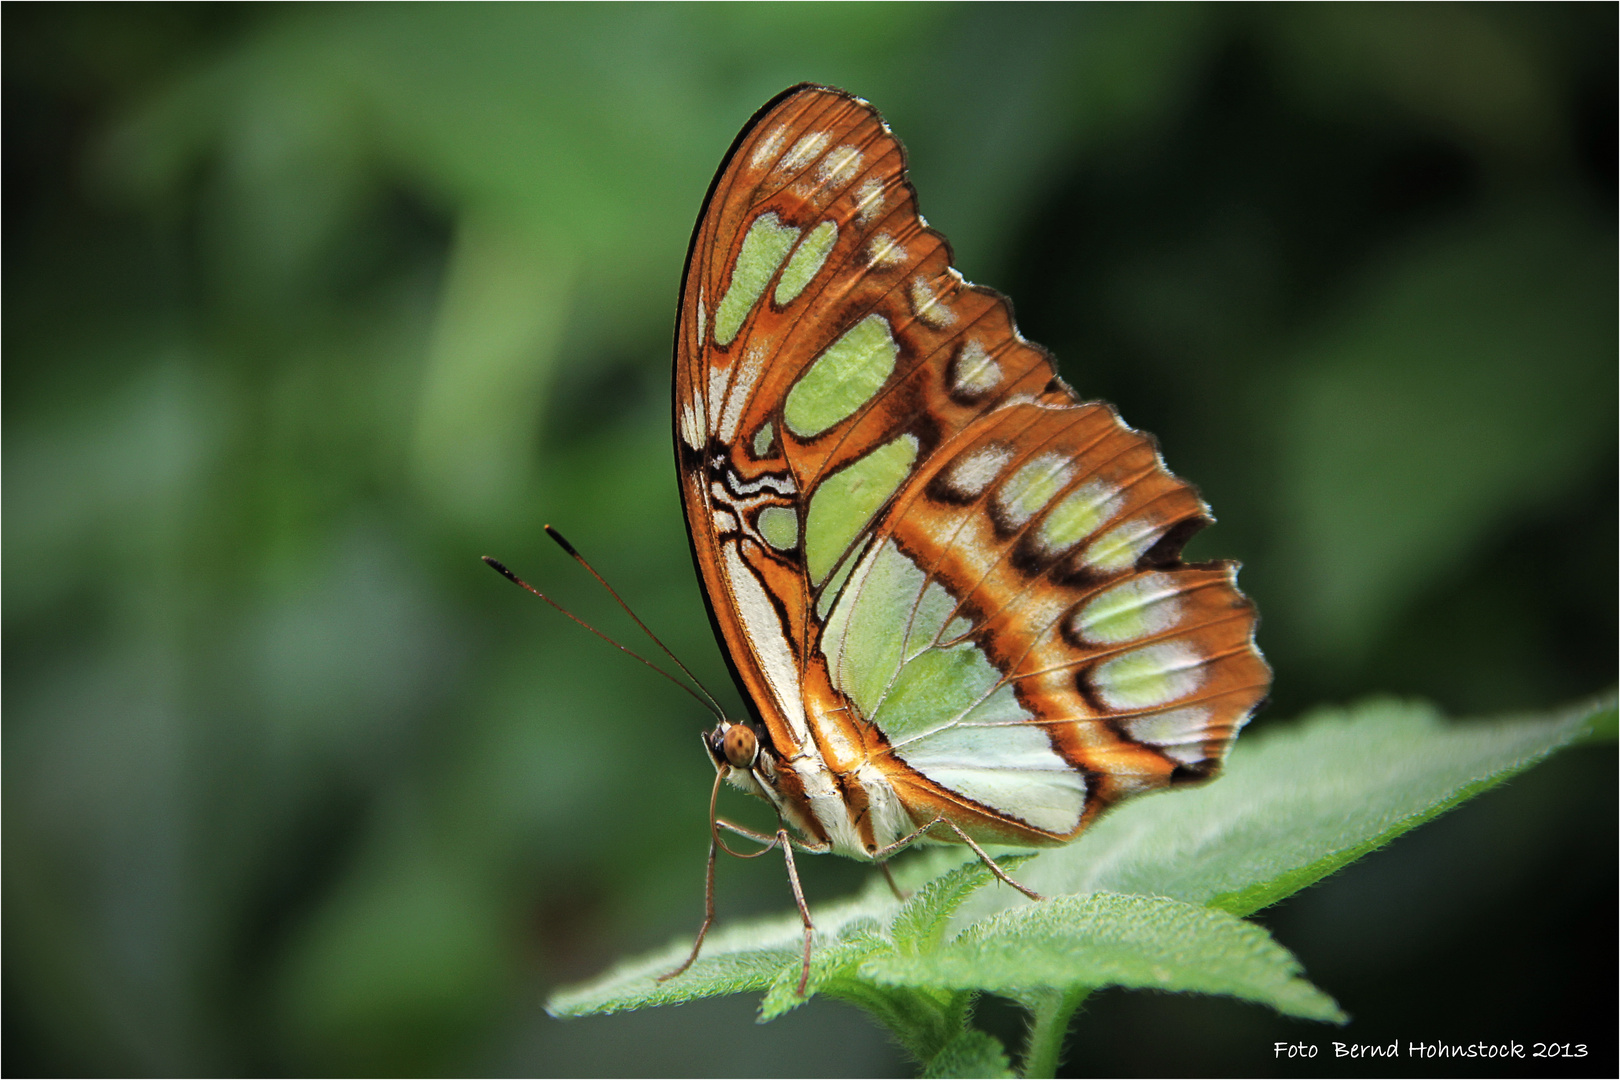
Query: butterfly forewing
(947,584)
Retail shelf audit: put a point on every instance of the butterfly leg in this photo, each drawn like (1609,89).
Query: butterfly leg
(888,875)
(787,844)
(883,853)
(708,918)
(804,909)
(715,844)
(764,838)
(744,831)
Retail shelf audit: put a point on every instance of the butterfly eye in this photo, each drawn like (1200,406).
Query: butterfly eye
(740,746)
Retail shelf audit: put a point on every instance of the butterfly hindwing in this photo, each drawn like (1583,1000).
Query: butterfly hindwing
(925,555)
(1029,571)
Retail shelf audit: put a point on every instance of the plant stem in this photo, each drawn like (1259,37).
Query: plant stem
(1049,1023)
(922,1021)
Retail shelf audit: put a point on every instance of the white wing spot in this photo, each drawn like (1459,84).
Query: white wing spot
(776,659)
(926,303)
(768,147)
(718,377)
(868,201)
(1035,484)
(840,166)
(805,150)
(1179,733)
(691,431)
(974,373)
(1120,547)
(971,473)
(1082,512)
(742,388)
(885,250)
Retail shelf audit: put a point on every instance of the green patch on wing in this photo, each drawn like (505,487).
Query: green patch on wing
(843,378)
(1034,485)
(1080,514)
(763,249)
(763,439)
(779,525)
(843,503)
(865,637)
(805,262)
(881,644)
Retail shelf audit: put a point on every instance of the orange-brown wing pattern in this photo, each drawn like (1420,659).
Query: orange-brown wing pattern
(813,159)
(1039,549)
(924,554)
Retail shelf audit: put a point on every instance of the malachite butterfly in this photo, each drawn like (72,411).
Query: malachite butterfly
(951,590)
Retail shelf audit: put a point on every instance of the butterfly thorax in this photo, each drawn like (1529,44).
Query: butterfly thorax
(851,811)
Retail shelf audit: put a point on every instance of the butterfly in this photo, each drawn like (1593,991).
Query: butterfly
(950,589)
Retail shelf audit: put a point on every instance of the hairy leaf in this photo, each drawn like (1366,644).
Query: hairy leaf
(1111,940)
(747,956)
(1296,804)
(1149,898)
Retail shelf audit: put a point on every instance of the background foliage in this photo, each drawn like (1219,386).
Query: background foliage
(308,307)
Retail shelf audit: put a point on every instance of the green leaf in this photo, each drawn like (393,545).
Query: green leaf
(1148,898)
(767,954)
(1296,803)
(920,923)
(747,956)
(829,969)
(1602,726)
(1111,940)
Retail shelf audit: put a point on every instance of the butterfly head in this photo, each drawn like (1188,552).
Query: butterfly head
(739,755)
(732,746)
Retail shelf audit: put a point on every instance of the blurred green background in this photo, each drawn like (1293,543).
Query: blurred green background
(306,308)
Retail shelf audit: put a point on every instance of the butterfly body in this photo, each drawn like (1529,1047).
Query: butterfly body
(951,590)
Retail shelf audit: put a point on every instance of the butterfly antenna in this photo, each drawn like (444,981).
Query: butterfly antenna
(566,546)
(500,568)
